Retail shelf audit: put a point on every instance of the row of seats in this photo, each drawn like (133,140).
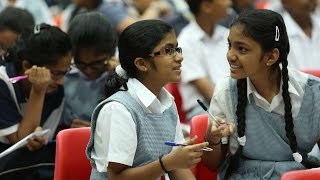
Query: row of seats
(72,164)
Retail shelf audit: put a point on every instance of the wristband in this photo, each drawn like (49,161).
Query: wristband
(162,166)
(211,144)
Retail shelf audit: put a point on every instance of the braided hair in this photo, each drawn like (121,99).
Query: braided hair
(268,29)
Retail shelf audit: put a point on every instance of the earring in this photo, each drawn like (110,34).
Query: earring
(268,64)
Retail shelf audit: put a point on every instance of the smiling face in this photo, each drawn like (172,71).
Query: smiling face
(245,55)
(166,66)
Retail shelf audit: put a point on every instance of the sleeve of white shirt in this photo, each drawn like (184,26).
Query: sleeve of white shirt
(191,64)
(115,136)
(221,104)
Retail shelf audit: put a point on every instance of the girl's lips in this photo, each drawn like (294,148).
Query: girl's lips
(177,68)
(234,67)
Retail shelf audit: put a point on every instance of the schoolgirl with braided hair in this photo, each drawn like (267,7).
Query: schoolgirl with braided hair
(275,109)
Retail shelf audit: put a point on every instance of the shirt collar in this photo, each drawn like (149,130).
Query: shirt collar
(252,90)
(147,98)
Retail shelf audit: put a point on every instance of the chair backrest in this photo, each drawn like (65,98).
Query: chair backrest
(173,88)
(71,162)
(315,72)
(309,174)
(198,126)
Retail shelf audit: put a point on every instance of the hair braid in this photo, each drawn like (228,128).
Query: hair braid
(289,120)
(241,116)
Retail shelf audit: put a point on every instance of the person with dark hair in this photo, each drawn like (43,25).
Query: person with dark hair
(275,108)
(122,13)
(130,127)
(204,67)
(237,7)
(13,22)
(94,43)
(32,103)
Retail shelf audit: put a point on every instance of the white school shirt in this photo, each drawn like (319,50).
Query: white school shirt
(115,138)
(304,51)
(204,56)
(221,103)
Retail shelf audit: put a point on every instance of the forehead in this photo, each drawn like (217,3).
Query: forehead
(168,40)
(237,35)
(63,64)
(89,55)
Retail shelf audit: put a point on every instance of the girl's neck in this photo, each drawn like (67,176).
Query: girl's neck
(154,87)
(267,86)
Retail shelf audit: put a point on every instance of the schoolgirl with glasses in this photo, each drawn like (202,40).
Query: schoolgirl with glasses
(130,127)
(44,57)
(94,43)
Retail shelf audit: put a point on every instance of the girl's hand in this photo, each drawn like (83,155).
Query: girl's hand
(216,131)
(37,142)
(185,157)
(40,78)
(77,123)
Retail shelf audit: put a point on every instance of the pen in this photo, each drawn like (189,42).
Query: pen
(224,140)
(170,143)
(206,109)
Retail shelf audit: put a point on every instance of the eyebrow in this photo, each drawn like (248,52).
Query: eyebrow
(238,43)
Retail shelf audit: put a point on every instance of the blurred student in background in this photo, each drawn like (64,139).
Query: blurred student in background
(94,43)
(13,22)
(204,44)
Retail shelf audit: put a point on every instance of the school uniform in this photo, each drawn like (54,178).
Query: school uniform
(267,154)
(130,128)
(81,95)
(13,104)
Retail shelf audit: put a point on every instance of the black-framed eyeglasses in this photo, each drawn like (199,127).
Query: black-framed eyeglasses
(96,65)
(57,74)
(168,51)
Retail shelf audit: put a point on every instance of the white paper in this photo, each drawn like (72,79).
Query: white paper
(23,142)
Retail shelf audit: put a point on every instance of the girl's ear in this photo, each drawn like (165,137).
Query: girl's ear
(141,64)
(272,57)
(26,65)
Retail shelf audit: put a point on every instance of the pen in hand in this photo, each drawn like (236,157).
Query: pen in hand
(170,143)
(206,109)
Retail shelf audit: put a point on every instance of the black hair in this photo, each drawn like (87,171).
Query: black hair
(45,46)
(137,40)
(92,30)
(260,25)
(16,19)
(195,5)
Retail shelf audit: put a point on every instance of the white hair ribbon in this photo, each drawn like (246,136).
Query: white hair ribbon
(297,157)
(242,140)
(121,72)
